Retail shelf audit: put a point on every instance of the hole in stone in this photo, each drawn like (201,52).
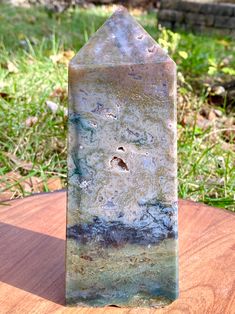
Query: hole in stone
(151,49)
(117,162)
(140,36)
(121,148)
(111,115)
(101,198)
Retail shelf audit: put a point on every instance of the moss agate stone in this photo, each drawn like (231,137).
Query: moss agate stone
(122,187)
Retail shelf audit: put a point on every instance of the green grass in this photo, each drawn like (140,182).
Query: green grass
(29,41)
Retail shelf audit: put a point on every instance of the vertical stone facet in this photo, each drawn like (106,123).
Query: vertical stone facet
(122,196)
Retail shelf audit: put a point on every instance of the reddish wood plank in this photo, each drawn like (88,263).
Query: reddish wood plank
(32,246)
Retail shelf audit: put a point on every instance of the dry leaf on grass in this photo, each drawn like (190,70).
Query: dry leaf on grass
(8,189)
(224,43)
(12,68)
(13,185)
(31,121)
(201,121)
(5,96)
(56,58)
(229,131)
(19,163)
(60,93)
(63,57)
(52,106)
(54,184)
(211,115)
(228,146)
(218,113)
(66,112)
(5,196)
(33,185)
(69,54)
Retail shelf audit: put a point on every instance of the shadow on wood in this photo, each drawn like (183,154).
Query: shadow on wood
(32,246)
(35,268)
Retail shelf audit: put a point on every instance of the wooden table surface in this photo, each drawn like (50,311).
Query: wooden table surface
(32,257)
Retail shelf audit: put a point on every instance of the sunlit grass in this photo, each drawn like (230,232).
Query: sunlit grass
(35,46)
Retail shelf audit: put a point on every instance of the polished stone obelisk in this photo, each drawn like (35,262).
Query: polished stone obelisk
(122,177)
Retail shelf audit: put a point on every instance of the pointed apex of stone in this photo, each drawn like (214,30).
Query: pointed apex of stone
(121,40)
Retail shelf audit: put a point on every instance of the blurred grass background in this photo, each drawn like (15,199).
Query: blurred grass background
(35,48)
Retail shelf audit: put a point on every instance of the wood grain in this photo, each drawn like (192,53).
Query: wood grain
(32,257)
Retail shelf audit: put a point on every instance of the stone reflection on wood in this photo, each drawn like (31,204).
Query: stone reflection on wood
(122,195)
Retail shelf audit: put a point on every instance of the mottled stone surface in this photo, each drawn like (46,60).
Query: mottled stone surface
(122,197)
